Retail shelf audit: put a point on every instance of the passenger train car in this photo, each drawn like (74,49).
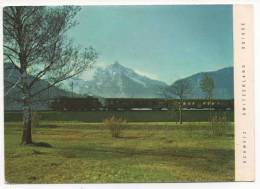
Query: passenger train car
(117,104)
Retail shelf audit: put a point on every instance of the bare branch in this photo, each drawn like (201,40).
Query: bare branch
(11,49)
(12,87)
(180,88)
(9,57)
(56,82)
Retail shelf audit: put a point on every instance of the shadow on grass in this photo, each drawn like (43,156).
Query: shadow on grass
(207,160)
(37,152)
(49,126)
(207,154)
(41,144)
(130,137)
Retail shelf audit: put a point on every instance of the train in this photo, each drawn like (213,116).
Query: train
(118,104)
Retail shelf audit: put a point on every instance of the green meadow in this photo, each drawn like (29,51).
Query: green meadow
(80,152)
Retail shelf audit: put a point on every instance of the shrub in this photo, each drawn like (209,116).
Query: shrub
(115,125)
(219,124)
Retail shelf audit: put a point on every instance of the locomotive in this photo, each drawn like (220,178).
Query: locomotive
(116,104)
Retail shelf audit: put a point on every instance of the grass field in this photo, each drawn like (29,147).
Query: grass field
(146,152)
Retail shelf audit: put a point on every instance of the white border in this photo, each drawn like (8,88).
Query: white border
(244,124)
(239,185)
(123,2)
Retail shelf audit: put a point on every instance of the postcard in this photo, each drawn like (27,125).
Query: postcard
(142,93)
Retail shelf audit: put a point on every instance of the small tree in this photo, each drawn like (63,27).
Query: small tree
(219,123)
(181,89)
(115,125)
(207,86)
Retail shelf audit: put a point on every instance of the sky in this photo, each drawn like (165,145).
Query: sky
(164,42)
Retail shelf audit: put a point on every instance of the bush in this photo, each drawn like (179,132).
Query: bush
(219,124)
(36,119)
(115,125)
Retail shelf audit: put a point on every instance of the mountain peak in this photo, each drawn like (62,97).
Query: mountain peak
(116,80)
(116,66)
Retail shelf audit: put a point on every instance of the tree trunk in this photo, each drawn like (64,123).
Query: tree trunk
(27,133)
(210,115)
(180,115)
(180,112)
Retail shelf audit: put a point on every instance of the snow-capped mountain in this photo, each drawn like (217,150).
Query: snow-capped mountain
(117,81)
(120,82)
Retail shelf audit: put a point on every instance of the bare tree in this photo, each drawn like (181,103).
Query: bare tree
(207,86)
(36,45)
(163,92)
(181,89)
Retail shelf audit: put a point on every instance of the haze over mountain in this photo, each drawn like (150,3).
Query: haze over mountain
(223,84)
(120,82)
(117,81)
